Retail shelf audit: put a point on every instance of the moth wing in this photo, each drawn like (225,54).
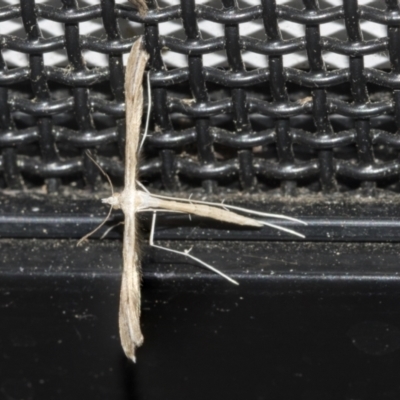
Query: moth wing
(129,310)
(134,109)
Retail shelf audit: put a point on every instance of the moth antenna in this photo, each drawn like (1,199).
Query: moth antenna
(186,253)
(146,128)
(97,228)
(109,211)
(101,170)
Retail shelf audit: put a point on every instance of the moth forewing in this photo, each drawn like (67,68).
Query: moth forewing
(141,6)
(129,310)
(208,212)
(134,109)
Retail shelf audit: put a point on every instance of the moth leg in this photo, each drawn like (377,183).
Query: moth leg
(142,187)
(185,253)
(96,229)
(110,229)
(146,129)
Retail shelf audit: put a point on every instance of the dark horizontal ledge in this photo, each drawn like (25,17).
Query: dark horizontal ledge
(181,228)
(369,220)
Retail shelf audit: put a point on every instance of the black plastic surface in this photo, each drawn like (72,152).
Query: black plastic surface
(329,219)
(308,321)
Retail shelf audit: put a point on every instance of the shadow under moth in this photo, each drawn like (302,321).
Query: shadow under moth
(136,198)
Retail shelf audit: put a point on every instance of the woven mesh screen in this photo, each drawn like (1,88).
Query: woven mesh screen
(313,126)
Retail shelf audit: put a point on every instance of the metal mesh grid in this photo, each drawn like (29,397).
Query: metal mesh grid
(318,129)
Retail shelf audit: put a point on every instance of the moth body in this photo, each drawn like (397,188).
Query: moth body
(139,200)
(136,200)
(114,201)
(132,200)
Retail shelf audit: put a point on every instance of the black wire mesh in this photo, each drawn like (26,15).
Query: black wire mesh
(316,128)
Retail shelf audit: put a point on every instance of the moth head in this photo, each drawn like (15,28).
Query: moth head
(114,201)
